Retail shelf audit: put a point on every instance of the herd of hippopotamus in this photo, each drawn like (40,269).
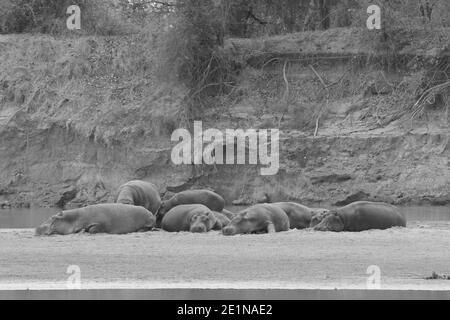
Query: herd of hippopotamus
(138,207)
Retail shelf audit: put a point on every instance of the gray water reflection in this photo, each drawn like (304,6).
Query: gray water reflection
(417,213)
(25,218)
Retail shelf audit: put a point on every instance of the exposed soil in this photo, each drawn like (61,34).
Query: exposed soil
(294,259)
(80,116)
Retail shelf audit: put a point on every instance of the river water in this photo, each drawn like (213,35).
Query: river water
(31,218)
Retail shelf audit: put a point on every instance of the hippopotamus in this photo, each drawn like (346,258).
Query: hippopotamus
(205,197)
(139,193)
(113,218)
(222,220)
(299,215)
(228,214)
(317,217)
(360,216)
(190,217)
(260,218)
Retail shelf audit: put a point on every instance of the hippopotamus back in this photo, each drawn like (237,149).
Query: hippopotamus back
(361,216)
(365,215)
(139,193)
(299,215)
(205,197)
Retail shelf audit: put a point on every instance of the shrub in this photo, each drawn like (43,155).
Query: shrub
(49,16)
(193,50)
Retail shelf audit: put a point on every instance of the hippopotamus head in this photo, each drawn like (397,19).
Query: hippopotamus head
(317,217)
(43,229)
(57,224)
(331,221)
(163,208)
(241,223)
(202,221)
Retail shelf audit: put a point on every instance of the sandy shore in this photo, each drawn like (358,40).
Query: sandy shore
(294,260)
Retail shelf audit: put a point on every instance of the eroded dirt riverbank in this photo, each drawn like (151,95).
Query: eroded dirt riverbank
(294,259)
(74,137)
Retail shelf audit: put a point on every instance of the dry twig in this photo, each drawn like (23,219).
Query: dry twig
(319,115)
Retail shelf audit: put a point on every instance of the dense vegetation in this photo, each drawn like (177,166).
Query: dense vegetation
(231,17)
(191,33)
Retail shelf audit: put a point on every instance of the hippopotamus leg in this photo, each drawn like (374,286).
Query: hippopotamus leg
(205,197)
(260,218)
(95,228)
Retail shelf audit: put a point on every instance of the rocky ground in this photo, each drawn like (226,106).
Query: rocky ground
(294,259)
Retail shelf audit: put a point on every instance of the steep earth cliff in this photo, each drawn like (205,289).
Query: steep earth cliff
(80,116)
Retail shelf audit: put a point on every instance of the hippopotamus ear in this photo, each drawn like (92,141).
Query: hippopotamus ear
(337,215)
(52,219)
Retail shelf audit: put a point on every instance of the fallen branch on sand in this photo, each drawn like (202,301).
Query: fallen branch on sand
(327,89)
